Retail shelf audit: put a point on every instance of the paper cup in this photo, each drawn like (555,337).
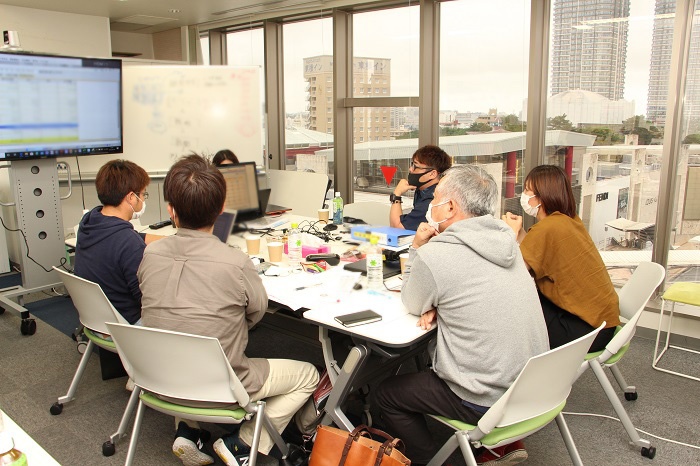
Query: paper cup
(323,215)
(403,258)
(253,244)
(274,250)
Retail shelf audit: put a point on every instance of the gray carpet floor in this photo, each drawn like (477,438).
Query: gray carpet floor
(35,370)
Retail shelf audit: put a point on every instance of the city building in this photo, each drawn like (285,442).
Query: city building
(585,108)
(371,78)
(662,42)
(588,58)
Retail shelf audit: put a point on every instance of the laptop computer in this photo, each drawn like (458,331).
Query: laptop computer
(265,206)
(389,269)
(224,224)
(242,195)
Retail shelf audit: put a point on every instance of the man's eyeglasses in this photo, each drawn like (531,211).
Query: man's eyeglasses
(143,196)
(416,167)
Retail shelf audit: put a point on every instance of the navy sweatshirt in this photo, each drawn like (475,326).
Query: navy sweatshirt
(109,252)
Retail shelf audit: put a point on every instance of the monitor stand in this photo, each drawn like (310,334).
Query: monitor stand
(38,209)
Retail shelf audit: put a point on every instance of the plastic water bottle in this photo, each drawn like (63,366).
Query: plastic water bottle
(337,209)
(375,268)
(294,245)
(9,456)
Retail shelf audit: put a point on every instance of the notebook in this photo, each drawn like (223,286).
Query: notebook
(390,268)
(224,224)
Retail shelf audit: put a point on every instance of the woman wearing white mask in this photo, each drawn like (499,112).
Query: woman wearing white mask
(109,250)
(575,289)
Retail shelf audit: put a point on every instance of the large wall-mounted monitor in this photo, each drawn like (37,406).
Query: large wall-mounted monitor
(55,106)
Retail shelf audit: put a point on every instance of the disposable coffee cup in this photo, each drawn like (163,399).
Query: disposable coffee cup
(274,250)
(403,258)
(323,215)
(253,244)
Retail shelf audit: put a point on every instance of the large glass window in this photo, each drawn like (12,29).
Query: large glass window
(308,92)
(204,44)
(606,117)
(684,256)
(385,64)
(483,84)
(247,48)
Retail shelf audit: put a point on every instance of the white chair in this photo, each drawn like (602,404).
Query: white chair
(535,399)
(374,213)
(633,298)
(173,371)
(94,310)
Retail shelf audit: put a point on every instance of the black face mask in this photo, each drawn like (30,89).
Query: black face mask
(413,180)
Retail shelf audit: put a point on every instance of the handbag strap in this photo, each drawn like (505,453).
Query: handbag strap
(352,437)
(386,449)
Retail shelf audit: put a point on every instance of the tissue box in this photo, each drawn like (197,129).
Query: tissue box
(306,250)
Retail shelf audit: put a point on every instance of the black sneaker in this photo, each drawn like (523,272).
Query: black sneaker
(233,452)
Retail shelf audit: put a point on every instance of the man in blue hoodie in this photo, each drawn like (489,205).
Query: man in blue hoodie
(464,274)
(109,250)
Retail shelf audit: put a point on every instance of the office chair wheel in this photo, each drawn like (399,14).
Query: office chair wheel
(56,408)
(108,448)
(630,396)
(649,452)
(28,327)
(82,346)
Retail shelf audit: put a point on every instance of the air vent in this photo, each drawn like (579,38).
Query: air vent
(136,22)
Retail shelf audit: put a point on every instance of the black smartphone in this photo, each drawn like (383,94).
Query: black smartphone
(358,318)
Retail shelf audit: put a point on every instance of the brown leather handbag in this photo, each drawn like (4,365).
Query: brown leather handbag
(336,447)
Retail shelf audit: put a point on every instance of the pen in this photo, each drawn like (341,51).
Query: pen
(305,287)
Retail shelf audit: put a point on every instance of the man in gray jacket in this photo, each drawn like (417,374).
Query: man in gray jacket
(464,274)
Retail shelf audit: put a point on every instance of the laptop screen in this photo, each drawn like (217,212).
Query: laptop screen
(224,224)
(241,187)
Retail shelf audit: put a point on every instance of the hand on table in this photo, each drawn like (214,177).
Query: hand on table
(426,320)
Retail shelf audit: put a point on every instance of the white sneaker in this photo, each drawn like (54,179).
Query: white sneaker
(189,454)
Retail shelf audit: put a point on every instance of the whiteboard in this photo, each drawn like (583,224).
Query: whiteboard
(170,111)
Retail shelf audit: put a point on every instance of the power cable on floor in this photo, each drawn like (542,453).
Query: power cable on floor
(638,430)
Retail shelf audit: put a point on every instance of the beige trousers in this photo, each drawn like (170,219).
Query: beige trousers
(286,389)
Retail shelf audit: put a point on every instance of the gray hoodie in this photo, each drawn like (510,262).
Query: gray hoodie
(489,317)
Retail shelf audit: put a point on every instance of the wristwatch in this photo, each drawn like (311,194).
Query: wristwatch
(395,199)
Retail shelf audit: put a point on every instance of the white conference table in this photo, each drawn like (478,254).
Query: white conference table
(395,339)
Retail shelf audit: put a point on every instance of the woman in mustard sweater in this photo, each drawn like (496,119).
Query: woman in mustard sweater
(573,284)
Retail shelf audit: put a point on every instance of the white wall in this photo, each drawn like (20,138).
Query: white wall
(50,32)
(61,33)
(131,42)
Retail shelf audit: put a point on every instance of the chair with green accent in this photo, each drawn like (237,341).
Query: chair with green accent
(535,399)
(94,310)
(687,293)
(633,298)
(186,376)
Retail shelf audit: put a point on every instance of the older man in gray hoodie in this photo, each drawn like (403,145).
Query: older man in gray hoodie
(464,274)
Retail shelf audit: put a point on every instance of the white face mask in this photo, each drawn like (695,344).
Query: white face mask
(527,208)
(429,216)
(138,214)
